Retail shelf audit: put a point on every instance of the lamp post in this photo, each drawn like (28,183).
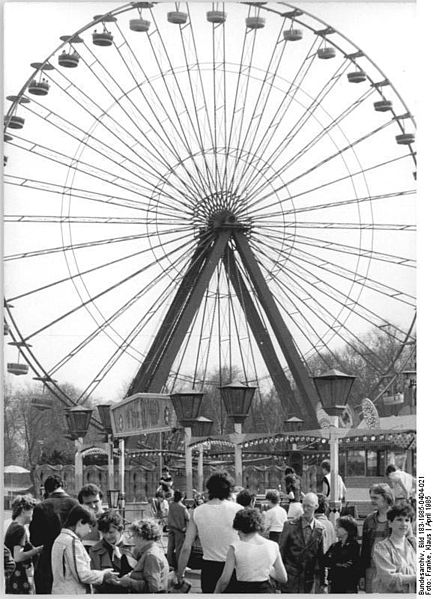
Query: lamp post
(333,388)
(187,406)
(202,427)
(104,411)
(113,498)
(78,420)
(237,399)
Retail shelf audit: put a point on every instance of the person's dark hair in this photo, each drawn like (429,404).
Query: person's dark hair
(273,496)
(384,490)
(80,513)
(289,470)
(178,496)
(403,509)
(349,524)
(245,497)
(52,482)
(248,520)
(323,504)
(220,485)
(390,468)
(166,468)
(326,465)
(109,518)
(22,503)
(88,491)
(148,529)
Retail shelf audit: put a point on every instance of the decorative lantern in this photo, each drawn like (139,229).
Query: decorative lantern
(187,406)
(237,399)
(333,388)
(78,420)
(293,424)
(202,427)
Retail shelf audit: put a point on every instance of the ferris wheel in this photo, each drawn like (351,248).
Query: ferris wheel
(194,188)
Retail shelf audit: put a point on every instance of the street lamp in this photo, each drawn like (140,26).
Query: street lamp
(113,498)
(187,406)
(104,411)
(293,424)
(202,427)
(333,388)
(237,399)
(78,420)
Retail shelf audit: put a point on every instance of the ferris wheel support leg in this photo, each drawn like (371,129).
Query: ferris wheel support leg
(305,386)
(261,335)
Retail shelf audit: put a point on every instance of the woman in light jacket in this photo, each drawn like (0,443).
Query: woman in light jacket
(70,562)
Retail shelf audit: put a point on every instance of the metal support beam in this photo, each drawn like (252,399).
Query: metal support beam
(261,335)
(143,378)
(284,338)
(190,308)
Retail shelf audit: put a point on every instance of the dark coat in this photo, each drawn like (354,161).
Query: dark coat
(344,566)
(303,561)
(47,522)
(101,558)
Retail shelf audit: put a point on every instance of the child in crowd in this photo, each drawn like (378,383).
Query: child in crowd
(275,517)
(255,558)
(342,558)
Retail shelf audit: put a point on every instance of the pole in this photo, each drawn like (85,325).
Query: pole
(334,503)
(78,464)
(238,455)
(109,449)
(122,477)
(188,461)
(200,470)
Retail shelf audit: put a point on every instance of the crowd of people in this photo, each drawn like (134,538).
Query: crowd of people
(64,545)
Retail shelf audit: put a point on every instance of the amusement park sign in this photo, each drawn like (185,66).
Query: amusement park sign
(143,413)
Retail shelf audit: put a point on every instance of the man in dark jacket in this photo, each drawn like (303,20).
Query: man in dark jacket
(47,522)
(301,548)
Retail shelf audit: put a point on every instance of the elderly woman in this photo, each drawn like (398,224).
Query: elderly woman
(375,529)
(395,557)
(213,523)
(70,561)
(17,541)
(150,574)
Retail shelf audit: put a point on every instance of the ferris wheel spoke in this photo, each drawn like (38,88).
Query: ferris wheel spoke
(160,134)
(361,279)
(99,295)
(339,153)
(333,291)
(141,172)
(82,273)
(85,168)
(284,106)
(321,313)
(251,122)
(179,106)
(312,143)
(328,183)
(321,287)
(333,225)
(304,118)
(330,205)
